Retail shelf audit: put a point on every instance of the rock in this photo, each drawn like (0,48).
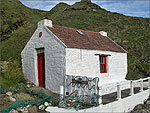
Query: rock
(41,107)
(12,99)
(25,110)
(28,85)
(46,103)
(3,66)
(142,108)
(13,111)
(9,93)
(28,106)
(32,109)
(138,107)
(94,9)
(22,109)
(148,102)
(125,41)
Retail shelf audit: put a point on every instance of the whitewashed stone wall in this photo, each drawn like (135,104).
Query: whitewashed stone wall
(84,62)
(61,61)
(54,58)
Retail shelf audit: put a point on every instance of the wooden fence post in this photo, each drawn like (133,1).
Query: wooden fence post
(118,92)
(131,88)
(141,85)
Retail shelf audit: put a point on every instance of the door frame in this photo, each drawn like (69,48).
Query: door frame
(41,68)
(36,66)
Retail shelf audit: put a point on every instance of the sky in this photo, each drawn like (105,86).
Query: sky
(136,8)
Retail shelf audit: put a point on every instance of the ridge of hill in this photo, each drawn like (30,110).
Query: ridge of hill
(132,33)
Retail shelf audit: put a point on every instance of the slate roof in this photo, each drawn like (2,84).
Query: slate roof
(88,40)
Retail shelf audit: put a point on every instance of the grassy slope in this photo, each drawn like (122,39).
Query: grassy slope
(18,35)
(130,32)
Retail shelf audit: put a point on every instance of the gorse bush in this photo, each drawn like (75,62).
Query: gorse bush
(12,76)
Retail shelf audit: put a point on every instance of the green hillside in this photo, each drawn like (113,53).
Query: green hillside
(17,25)
(132,33)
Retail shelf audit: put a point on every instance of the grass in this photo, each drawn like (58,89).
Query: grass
(132,33)
(12,76)
(23,96)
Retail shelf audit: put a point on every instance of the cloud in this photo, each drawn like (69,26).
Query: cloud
(129,8)
(43,5)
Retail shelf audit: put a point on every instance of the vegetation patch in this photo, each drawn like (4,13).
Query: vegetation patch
(23,96)
(12,76)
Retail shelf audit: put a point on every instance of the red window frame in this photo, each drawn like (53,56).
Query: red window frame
(40,34)
(103,64)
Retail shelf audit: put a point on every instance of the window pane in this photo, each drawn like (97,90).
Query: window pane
(102,67)
(101,60)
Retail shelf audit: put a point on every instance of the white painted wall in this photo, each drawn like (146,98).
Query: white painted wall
(83,62)
(54,58)
(112,87)
(121,106)
(61,61)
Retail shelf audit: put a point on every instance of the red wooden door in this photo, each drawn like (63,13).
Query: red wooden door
(41,69)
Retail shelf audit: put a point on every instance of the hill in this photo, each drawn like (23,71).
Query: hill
(17,25)
(132,33)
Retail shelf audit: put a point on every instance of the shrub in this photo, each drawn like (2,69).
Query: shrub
(12,76)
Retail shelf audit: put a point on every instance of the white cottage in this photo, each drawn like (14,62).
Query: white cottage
(55,51)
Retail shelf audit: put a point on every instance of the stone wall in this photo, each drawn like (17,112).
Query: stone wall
(54,52)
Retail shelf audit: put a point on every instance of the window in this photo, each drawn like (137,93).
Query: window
(40,34)
(103,64)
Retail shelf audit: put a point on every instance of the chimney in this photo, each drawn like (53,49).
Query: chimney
(47,22)
(103,33)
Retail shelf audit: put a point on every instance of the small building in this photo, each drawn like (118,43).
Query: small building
(55,51)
